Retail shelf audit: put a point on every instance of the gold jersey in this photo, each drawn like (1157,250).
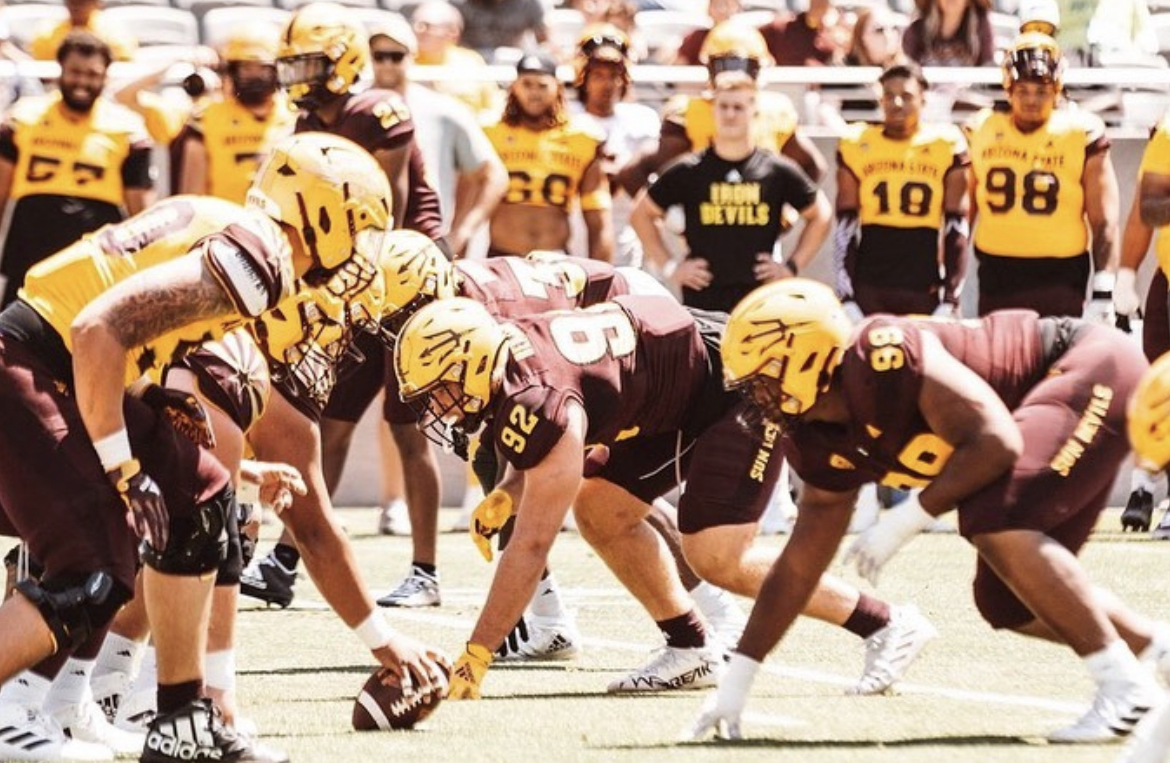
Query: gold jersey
(243,249)
(1029,193)
(1156,160)
(61,153)
(774,124)
(235,140)
(545,167)
(901,182)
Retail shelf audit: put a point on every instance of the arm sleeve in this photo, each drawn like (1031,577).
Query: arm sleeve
(136,170)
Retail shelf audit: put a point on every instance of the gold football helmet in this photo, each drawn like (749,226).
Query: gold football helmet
(323,50)
(449,359)
(329,191)
(734,46)
(601,43)
(783,342)
(1033,57)
(1149,417)
(257,43)
(416,272)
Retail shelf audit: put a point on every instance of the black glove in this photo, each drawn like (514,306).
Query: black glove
(183,409)
(147,510)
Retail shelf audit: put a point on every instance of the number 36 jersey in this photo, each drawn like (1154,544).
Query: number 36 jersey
(1028,186)
(636,365)
(881,377)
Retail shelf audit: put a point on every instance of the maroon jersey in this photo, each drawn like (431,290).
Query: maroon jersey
(380,120)
(636,365)
(881,377)
(514,286)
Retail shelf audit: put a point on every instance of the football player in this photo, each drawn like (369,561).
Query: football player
(1042,168)
(554,163)
(76,450)
(543,386)
(688,122)
(901,240)
(1016,420)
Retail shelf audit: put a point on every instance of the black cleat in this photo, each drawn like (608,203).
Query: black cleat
(1139,511)
(265,579)
(196,732)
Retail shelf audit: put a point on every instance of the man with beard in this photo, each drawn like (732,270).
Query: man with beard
(554,164)
(71,161)
(218,151)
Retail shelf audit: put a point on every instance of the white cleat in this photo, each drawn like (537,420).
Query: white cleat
(418,589)
(394,519)
(1115,712)
(890,651)
(28,734)
(541,638)
(108,690)
(136,711)
(725,619)
(674,669)
(1151,738)
(85,722)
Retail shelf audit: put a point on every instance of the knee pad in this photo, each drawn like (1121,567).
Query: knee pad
(233,561)
(75,606)
(198,540)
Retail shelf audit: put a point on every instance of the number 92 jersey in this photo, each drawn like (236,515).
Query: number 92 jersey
(1031,183)
(545,168)
(635,365)
(881,377)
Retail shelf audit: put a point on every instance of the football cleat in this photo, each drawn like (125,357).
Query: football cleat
(394,519)
(1162,531)
(1139,511)
(28,734)
(541,638)
(108,690)
(1115,712)
(86,722)
(136,710)
(891,650)
(674,669)
(418,590)
(267,580)
(197,732)
(1151,738)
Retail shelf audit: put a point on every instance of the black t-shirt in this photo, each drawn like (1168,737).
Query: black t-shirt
(733,212)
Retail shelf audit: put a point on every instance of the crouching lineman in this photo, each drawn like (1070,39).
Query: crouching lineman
(1016,420)
(150,290)
(543,386)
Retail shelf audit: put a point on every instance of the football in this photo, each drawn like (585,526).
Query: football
(381,705)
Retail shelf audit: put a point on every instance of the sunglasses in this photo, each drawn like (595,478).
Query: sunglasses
(382,56)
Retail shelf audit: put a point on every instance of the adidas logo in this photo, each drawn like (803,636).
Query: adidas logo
(559,644)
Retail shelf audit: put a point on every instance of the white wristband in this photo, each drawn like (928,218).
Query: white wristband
(374,631)
(114,450)
(219,669)
(740,673)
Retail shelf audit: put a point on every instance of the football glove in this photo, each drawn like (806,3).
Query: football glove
(724,706)
(469,671)
(1100,306)
(877,545)
(183,409)
(489,518)
(1125,295)
(146,510)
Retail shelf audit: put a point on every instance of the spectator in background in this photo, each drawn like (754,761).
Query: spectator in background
(622,14)
(492,24)
(950,33)
(875,40)
(816,37)
(220,148)
(438,25)
(71,161)
(87,15)
(692,43)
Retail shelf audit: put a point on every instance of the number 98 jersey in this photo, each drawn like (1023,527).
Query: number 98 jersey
(636,365)
(1028,186)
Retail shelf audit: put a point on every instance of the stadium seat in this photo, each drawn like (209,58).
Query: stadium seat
(218,23)
(664,30)
(154,25)
(25,21)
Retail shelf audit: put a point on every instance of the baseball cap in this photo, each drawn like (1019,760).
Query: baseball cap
(536,64)
(398,30)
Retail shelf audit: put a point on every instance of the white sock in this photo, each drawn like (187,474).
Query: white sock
(147,678)
(711,601)
(1140,479)
(1115,663)
(547,601)
(71,686)
(26,689)
(219,669)
(117,655)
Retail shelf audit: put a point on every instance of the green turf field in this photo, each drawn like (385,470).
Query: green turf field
(974,695)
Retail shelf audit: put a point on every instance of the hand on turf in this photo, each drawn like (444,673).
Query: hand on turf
(276,483)
(183,409)
(469,671)
(724,706)
(488,519)
(878,544)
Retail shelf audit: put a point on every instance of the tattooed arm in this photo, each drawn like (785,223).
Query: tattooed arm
(133,312)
